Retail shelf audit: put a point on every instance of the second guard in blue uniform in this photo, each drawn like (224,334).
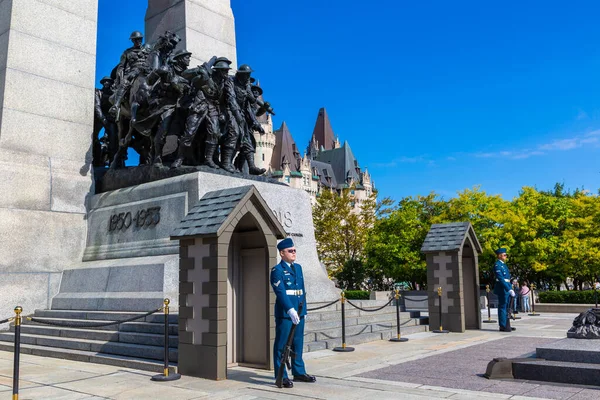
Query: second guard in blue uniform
(287,282)
(503,289)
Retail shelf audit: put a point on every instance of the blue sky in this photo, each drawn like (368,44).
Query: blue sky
(431,96)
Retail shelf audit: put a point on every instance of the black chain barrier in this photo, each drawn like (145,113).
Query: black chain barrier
(320,307)
(408,298)
(6,320)
(370,309)
(92,325)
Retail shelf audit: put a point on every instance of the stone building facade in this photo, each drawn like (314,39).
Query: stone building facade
(326,163)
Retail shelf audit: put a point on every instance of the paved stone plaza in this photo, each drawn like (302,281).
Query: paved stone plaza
(378,369)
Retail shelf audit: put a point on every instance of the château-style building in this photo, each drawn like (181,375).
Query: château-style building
(326,164)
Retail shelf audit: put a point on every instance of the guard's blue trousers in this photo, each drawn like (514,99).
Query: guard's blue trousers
(503,301)
(282,331)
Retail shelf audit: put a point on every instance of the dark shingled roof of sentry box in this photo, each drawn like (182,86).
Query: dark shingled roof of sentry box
(214,210)
(449,237)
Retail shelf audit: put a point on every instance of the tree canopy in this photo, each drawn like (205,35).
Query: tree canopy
(551,235)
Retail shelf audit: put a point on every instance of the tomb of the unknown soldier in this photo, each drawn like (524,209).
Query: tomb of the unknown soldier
(157,237)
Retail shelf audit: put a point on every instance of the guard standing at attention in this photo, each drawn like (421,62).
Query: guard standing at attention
(503,289)
(288,284)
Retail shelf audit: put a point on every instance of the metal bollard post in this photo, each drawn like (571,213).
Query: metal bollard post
(487,296)
(441,330)
(343,348)
(533,313)
(166,377)
(398,337)
(17,352)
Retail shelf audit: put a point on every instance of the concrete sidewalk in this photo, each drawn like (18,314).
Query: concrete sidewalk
(337,373)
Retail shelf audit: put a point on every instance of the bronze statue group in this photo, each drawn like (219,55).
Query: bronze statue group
(152,93)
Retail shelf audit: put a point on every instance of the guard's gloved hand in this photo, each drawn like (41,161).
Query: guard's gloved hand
(512,293)
(294,316)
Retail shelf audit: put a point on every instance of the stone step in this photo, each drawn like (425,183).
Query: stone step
(571,350)
(360,338)
(116,348)
(142,327)
(557,371)
(148,339)
(105,315)
(90,356)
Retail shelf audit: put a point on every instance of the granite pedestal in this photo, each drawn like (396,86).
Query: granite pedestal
(129,250)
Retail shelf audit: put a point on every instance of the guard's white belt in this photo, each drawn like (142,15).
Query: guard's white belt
(506,280)
(294,292)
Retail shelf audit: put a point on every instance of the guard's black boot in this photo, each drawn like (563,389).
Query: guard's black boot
(252,168)
(209,154)
(305,378)
(286,383)
(226,157)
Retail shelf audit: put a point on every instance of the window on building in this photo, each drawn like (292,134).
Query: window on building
(263,156)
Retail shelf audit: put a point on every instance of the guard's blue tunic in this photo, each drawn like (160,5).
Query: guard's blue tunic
(501,288)
(288,284)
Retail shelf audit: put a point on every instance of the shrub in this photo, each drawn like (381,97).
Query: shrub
(358,294)
(568,297)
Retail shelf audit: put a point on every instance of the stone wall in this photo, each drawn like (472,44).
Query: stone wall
(206,27)
(47,67)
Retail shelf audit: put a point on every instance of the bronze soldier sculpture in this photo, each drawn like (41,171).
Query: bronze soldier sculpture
(132,63)
(156,94)
(247,121)
(171,89)
(105,148)
(143,106)
(208,80)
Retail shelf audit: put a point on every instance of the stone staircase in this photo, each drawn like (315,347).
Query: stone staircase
(138,344)
(323,328)
(574,361)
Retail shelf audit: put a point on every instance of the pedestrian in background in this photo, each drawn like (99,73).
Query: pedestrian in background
(525,297)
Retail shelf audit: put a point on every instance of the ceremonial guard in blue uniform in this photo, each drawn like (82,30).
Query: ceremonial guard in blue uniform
(503,289)
(288,284)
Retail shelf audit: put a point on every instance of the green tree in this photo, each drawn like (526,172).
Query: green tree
(394,246)
(341,231)
(487,214)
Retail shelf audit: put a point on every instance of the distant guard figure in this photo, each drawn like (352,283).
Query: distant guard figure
(503,289)
(132,63)
(287,282)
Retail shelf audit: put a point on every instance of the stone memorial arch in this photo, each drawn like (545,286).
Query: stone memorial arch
(452,263)
(227,245)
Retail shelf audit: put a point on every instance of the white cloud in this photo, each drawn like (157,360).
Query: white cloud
(575,142)
(581,115)
(563,144)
